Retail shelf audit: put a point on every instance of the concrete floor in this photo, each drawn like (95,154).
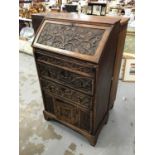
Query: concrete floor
(116,138)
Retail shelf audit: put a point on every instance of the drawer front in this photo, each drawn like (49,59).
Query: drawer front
(67,94)
(73,65)
(73,80)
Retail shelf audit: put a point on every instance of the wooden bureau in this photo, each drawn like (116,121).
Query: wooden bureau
(75,57)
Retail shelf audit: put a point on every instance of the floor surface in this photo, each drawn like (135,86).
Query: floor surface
(39,137)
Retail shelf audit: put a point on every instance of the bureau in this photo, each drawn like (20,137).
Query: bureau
(76,59)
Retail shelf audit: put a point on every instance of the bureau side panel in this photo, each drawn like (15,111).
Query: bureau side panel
(117,65)
(104,77)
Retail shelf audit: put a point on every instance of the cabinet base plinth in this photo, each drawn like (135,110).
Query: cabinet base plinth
(91,138)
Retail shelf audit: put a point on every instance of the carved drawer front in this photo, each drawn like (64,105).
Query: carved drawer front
(66,112)
(73,80)
(67,94)
(83,68)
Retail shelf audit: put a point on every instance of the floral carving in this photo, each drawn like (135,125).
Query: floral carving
(66,93)
(65,77)
(78,39)
(66,112)
(72,65)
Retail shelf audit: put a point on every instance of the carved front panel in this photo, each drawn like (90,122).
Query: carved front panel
(66,112)
(84,40)
(72,65)
(65,77)
(67,93)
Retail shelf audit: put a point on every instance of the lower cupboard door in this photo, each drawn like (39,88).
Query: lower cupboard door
(73,115)
(66,112)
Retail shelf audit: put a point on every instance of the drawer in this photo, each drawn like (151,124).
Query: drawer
(67,78)
(77,66)
(67,94)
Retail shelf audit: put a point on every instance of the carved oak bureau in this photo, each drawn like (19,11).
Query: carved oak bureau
(76,57)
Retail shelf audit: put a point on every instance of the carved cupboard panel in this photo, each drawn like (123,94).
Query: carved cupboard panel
(66,112)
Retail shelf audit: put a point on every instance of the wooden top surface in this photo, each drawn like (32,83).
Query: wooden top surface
(124,20)
(85,18)
(81,17)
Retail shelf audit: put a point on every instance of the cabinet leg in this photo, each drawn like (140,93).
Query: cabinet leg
(92,140)
(111,106)
(107,118)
